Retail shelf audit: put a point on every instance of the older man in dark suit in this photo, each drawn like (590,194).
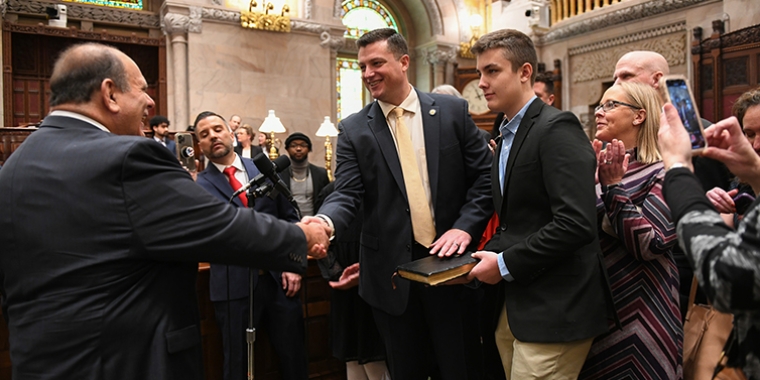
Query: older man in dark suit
(546,252)
(276,302)
(418,165)
(102,233)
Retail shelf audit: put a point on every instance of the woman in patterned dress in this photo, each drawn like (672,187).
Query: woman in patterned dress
(637,236)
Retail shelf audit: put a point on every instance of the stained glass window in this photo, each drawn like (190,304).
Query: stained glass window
(361,16)
(128,4)
(349,87)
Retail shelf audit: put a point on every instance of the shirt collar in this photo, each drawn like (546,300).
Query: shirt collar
(515,121)
(79,116)
(238,164)
(410,104)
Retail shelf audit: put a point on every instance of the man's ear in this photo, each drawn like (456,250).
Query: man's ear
(108,95)
(526,71)
(656,79)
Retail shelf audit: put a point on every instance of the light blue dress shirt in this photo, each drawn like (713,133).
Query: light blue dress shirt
(508,131)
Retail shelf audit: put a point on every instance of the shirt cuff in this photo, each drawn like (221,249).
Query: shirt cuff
(503,268)
(329,223)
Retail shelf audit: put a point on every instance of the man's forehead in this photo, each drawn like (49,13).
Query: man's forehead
(210,122)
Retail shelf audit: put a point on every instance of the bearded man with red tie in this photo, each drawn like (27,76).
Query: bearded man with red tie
(276,305)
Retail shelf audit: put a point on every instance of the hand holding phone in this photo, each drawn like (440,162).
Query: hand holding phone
(186,151)
(675,90)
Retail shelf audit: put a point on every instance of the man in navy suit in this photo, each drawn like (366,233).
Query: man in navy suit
(545,255)
(432,198)
(102,231)
(276,301)
(160,126)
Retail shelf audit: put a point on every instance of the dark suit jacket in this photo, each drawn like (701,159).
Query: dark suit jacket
(170,144)
(368,170)
(319,179)
(255,149)
(101,236)
(217,185)
(548,230)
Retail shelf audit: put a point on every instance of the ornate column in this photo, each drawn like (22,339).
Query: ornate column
(176,23)
(441,58)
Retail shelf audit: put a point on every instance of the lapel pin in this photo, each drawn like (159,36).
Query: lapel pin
(432,112)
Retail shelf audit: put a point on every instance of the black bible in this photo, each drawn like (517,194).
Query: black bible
(433,270)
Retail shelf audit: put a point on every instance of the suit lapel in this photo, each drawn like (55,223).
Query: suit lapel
(431,124)
(379,126)
(250,167)
(221,183)
(522,132)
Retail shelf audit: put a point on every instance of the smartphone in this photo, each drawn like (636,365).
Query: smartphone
(675,90)
(185,150)
(742,201)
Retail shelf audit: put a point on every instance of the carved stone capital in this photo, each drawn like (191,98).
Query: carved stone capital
(569,28)
(173,22)
(3,7)
(438,54)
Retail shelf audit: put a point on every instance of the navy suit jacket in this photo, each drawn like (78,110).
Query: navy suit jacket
(101,236)
(216,184)
(369,171)
(170,144)
(548,230)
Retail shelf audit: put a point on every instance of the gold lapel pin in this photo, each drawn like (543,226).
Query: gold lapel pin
(432,112)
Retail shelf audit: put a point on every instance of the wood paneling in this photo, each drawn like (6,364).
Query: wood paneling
(727,65)
(30,53)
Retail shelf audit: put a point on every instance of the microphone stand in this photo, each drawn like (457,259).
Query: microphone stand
(250,332)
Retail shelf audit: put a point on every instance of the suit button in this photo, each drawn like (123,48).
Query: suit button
(407,211)
(408,247)
(503,227)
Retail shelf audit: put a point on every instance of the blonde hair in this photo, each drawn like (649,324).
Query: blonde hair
(645,97)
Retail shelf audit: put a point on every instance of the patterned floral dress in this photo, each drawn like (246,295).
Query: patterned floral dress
(637,236)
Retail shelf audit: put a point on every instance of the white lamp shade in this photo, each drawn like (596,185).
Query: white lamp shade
(327,128)
(272,124)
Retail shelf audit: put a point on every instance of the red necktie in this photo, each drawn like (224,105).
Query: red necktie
(230,173)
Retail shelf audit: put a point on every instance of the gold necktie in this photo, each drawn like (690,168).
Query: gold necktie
(422,219)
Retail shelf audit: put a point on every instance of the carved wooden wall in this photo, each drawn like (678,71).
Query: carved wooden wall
(29,53)
(725,66)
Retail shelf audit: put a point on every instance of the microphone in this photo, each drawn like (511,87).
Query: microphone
(270,169)
(279,164)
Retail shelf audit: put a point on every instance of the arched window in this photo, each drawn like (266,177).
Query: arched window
(127,4)
(359,17)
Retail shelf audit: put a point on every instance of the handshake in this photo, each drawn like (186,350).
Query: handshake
(318,234)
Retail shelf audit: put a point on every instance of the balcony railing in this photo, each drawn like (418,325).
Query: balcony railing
(564,9)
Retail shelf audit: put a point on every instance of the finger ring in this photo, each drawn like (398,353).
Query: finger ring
(608,162)
(457,244)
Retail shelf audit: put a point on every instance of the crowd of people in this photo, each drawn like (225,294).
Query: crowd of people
(582,275)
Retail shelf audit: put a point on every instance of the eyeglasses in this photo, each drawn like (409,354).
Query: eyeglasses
(611,105)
